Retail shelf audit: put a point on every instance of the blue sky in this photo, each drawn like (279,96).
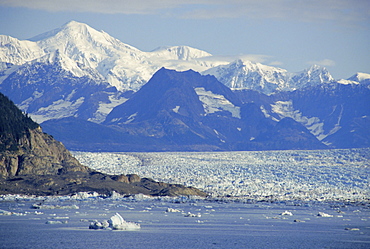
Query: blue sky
(291,34)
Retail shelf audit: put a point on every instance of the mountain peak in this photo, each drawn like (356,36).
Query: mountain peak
(73,23)
(76,34)
(312,76)
(70,27)
(181,52)
(360,77)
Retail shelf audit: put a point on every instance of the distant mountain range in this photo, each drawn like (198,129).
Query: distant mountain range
(94,92)
(187,111)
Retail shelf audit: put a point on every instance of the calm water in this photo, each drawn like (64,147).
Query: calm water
(220,225)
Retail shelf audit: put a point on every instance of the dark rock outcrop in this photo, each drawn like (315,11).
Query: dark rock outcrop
(73,182)
(38,154)
(26,150)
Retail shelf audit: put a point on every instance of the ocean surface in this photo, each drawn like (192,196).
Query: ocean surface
(215,224)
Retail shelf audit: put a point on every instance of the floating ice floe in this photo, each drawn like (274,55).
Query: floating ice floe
(116,222)
(172,210)
(4,212)
(287,213)
(44,206)
(54,222)
(322,214)
(192,215)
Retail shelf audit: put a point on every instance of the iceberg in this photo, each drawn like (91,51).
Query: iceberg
(287,213)
(322,214)
(116,222)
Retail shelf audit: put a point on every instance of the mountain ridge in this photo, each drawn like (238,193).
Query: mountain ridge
(78,72)
(87,55)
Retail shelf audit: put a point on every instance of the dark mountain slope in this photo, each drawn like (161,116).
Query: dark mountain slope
(287,134)
(168,108)
(186,108)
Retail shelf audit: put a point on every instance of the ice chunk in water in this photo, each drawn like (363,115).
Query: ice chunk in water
(116,222)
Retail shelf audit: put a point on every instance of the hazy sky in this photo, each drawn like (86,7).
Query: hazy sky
(291,34)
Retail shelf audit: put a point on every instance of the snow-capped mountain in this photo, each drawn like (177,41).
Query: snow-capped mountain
(86,55)
(362,78)
(99,56)
(77,71)
(266,79)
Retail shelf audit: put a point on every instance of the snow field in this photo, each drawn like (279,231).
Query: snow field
(325,175)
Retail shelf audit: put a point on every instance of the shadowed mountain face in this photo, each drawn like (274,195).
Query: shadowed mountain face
(186,111)
(33,162)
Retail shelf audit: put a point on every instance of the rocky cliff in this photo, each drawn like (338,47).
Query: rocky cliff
(26,150)
(38,154)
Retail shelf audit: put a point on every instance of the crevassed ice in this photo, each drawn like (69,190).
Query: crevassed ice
(215,102)
(285,175)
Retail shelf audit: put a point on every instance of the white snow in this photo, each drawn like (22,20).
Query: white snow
(266,114)
(176,109)
(347,82)
(281,175)
(245,74)
(215,102)
(313,124)
(362,76)
(85,51)
(131,118)
(24,105)
(59,109)
(105,108)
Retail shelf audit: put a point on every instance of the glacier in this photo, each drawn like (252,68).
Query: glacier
(323,175)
